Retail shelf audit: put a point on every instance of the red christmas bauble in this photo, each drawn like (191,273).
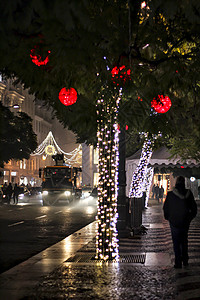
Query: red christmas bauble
(68,97)
(37,59)
(118,73)
(161,104)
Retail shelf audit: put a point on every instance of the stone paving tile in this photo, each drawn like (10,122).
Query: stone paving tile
(111,282)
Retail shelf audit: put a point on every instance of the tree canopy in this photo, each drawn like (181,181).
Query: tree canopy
(17,139)
(157,40)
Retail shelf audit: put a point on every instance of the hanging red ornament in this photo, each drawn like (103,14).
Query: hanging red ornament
(120,73)
(37,59)
(161,104)
(68,97)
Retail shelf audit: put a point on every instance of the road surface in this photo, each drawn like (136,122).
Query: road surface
(28,227)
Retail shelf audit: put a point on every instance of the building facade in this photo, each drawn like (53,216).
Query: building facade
(19,99)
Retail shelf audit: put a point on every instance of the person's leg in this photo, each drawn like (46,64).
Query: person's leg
(175,232)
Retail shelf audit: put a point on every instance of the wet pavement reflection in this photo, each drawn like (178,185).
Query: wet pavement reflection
(112,281)
(52,275)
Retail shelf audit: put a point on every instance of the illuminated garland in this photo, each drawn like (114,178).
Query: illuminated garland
(139,175)
(50,143)
(108,140)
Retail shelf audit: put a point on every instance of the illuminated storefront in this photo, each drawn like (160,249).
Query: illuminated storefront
(166,169)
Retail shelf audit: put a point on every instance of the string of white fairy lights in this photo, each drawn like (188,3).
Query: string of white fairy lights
(50,147)
(108,141)
(140,173)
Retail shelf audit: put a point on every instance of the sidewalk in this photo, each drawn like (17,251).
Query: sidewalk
(66,271)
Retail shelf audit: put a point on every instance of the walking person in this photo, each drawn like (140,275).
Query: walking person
(4,190)
(179,209)
(157,192)
(153,191)
(9,192)
(161,194)
(16,192)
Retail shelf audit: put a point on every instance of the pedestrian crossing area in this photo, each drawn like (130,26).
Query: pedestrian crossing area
(158,240)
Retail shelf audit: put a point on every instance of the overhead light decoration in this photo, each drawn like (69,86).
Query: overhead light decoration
(68,96)
(50,150)
(120,75)
(50,147)
(108,141)
(161,104)
(37,59)
(140,173)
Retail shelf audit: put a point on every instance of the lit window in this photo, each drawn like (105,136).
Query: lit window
(21,164)
(24,166)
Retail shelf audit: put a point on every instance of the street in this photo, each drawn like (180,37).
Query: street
(28,227)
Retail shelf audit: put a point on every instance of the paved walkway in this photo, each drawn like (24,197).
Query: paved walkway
(66,271)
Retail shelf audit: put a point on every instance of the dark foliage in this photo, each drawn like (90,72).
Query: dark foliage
(17,139)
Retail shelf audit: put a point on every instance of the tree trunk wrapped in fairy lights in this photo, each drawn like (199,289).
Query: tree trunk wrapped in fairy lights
(139,175)
(138,186)
(106,237)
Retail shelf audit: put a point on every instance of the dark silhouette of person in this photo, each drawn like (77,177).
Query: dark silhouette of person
(4,188)
(16,192)
(9,191)
(161,193)
(153,191)
(157,192)
(179,209)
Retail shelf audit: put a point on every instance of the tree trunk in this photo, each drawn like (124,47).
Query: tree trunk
(106,238)
(137,186)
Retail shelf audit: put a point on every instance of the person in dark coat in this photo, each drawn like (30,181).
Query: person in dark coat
(157,192)
(16,192)
(153,191)
(161,193)
(179,209)
(9,191)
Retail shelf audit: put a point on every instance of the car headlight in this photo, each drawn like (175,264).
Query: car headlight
(67,193)
(45,192)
